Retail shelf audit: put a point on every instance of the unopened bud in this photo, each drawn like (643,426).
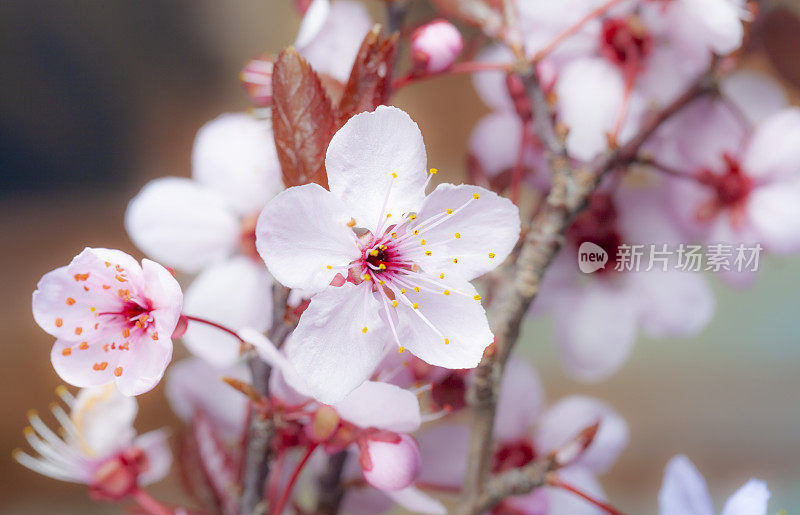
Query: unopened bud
(256,79)
(435,46)
(390,465)
(573,449)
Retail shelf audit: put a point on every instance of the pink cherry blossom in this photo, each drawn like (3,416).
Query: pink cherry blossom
(408,258)
(684,492)
(99,446)
(390,463)
(235,172)
(435,46)
(112,318)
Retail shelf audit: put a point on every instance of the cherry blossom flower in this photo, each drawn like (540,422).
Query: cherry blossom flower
(435,46)
(206,224)
(99,446)
(331,34)
(407,258)
(112,318)
(736,173)
(597,316)
(684,492)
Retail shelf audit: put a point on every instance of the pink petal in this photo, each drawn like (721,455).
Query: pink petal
(417,501)
(774,212)
(331,351)
(567,418)
(750,499)
(165,218)
(520,401)
(312,23)
(491,86)
(774,149)
(234,155)
(363,155)
(393,465)
(487,227)
(756,95)
(246,288)
(302,232)
(444,454)
(683,491)
(83,367)
(104,419)
(144,365)
(381,405)
(155,445)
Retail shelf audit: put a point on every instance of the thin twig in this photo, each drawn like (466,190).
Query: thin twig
(330,490)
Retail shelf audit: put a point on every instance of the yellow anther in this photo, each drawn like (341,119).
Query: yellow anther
(28,431)
(446,292)
(458,235)
(416,289)
(441,276)
(455,260)
(351,223)
(416,305)
(427,252)
(476,196)
(449,211)
(446,341)
(388,215)
(394,303)
(491,255)
(374,252)
(381,282)
(330,267)
(422,242)
(61,390)
(412,217)
(394,235)
(367,277)
(382,266)
(401,349)
(364,330)
(477,297)
(416,232)
(394,175)
(32,413)
(403,291)
(434,171)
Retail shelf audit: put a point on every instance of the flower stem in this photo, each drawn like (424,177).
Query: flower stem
(557,482)
(214,324)
(599,11)
(456,69)
(292,480)
(149,504)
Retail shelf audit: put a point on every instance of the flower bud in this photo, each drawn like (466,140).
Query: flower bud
(256,79)
(389,463)
(435,46)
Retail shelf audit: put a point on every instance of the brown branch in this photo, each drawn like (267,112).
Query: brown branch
(258,454)
(330,489)
(570,190)
(515,482)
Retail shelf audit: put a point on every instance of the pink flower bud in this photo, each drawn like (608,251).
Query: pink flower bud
(435,46)
(389,461)
(256,79)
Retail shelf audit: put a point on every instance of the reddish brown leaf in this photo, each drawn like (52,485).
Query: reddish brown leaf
(474,12)
(370,82)
(302,119)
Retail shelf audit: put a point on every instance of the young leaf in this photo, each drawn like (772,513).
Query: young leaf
(302,120)
(370,81)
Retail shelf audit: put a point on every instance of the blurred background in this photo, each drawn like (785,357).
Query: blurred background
(99,97)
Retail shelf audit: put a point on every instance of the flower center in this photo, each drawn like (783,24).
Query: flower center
(731,190)
(513,455)
(624,41)
(598,224)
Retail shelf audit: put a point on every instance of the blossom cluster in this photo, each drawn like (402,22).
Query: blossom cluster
(335,293)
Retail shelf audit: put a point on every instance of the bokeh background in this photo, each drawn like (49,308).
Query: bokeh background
(97,97)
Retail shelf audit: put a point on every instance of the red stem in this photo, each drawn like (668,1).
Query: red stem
(292,480)
(456,69)
(275,477)
(541,54)
(149,504)
(555,481)
(214,324)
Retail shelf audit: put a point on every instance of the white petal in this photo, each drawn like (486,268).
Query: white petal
(495,141)
(236,293)
(750,499)
(331,352)
(756,95)
(234,155)
(104,418)
(774,150)
(589,96)
(520,400)
(595,330)
(720,22)
(683,491)
(415,500)
(774,212)
(164,294)
(488,229)
(458,318)
(302,232)
(181,224)
(333,48)
(381,405)
(567,418)
(194,384)
(491,86)
(159,457)
(144,366)
(313,20)
(362,157)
